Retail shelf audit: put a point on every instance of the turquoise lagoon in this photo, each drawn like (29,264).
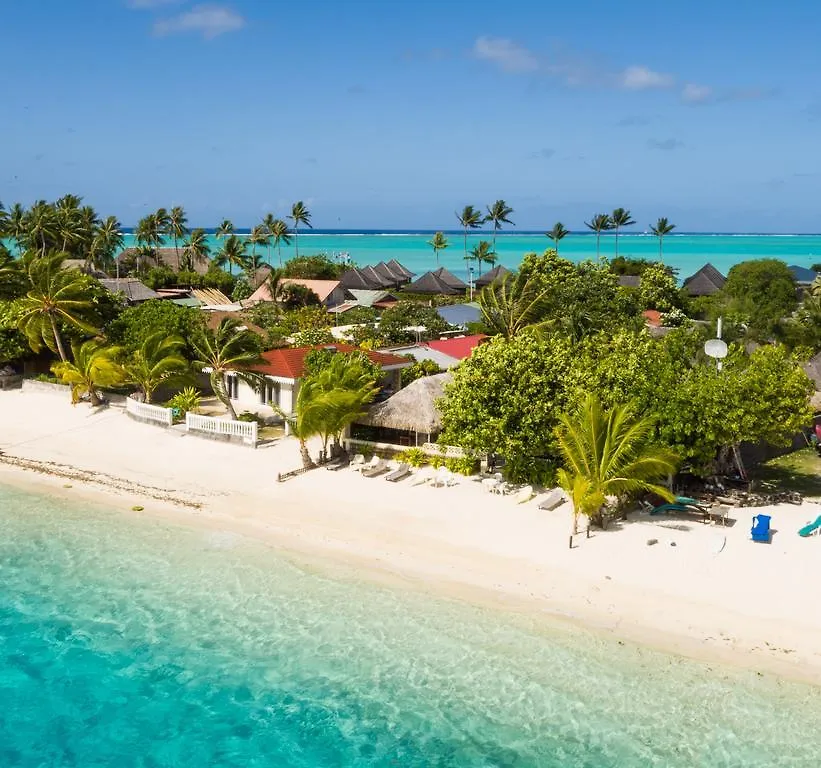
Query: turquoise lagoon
(129,641)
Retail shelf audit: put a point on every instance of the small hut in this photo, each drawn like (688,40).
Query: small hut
(496,274)
(408,418)
(706,282)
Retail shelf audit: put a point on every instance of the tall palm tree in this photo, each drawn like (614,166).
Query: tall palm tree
(620,218)
(147,234)
(268,224)
(177,228)
(557,233)
(41,227)
(88,223)
(225,228)
(280,234)
(258,236)
(512,304)
(233,253)
(11,275)
(163,224)
(54,294)
(158,361)
(94,366)
(607,454)
(275,284)
(498,214)
(66,212)
(469,218)
(661,228)
(599,223)
(196,249)
(484,254)
(438,243)
(107,243)
(4,221)
(299,215)
(15,226)
(228,349)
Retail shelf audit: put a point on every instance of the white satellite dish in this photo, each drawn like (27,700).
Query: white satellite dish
(715,348)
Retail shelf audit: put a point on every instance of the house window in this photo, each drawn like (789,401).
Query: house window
(269,392)
(232,387)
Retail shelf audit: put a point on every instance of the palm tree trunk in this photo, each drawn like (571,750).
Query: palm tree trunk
(598,235)
(222,395)
(617,242)
(177,251)
(279,253)
(660,242)
(467,261)
(57,340)
(296,238)
(93,397)
(307,461)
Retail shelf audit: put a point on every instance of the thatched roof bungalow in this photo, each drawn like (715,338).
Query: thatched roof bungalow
(706,282)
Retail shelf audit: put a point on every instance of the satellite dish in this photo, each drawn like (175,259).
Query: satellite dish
(715,348)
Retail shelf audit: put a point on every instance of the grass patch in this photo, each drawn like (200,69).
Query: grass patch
(799,471)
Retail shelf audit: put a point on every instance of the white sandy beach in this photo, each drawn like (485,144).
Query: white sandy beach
(756,605)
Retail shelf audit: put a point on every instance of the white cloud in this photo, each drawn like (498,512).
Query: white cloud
(665,145)
(505,54)
(147,4)
(642,79)
(208,20)
(696,94)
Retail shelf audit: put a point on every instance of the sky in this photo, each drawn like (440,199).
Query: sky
(393,114)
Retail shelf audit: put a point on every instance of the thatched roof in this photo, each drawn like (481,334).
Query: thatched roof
(133,290)
(413,407)
(707,281)
(497,273)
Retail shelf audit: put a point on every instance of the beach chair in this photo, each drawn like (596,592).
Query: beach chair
(443,478)
(401,472)
(337,464)
(357,462)
(761,528)
(553,499)
(422,476)
(489,484)
(378,467)
(811,529)
(524,494)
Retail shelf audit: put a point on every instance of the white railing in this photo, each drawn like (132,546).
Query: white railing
(247,430)
(449,451)
(149,412)
(432,449)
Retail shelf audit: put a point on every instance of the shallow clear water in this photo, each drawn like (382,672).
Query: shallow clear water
(126,641)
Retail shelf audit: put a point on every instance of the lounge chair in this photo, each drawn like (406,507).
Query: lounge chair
(337,464)
(553,499)
(813,528)
(357,462)
(376,468)
(422,476)
(401,472)
(681,504)
(761,528)
(524,494)
(443,478)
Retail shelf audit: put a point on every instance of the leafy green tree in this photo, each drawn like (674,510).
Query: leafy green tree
(12,276)
(512,305)
(618,219)
(158,361)
(311,337)
(177,228)
(498,214)
(137,324)
(13,345)
(609,453)
(557,234)
(419,370)
(438,243)
(469,218)
(299,215)
(94,367)
(227,349)
(658,289)
(395,320)
(294,295)
(318,267)
(53,294)
(233,253)
(660,229)
(599,223)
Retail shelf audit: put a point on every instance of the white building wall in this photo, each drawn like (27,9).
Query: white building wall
(247,398)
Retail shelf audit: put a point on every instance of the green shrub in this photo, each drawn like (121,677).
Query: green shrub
(184,401)
(250,417)
(466,465)
(416,457)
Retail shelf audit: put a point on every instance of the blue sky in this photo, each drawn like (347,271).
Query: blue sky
(393,114)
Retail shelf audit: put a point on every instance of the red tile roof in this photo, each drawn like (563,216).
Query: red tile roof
(459,347)
(652,317)
(289,363)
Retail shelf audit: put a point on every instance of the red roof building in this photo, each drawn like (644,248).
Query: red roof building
(289,363)
(458,347)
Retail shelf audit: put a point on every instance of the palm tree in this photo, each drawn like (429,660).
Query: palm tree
(40,226)
(280,234)
(618,219)
(228,349)
(233,253)
(438,243)
(225,229)
(661,228)
(94,366)
(107,243)
(268,222)
(176,227)
(275,284)
(54,294)
(88,222)
(484,254)
(498,214)
(11,276)
(299,215)
(66,211)
(196,249)
(158,361)
(469,218)
(147,234)
(4,221)
(15,225)
(608,454)
(599,223)
(163,223)
(557,233)
(258,236)
(512,304)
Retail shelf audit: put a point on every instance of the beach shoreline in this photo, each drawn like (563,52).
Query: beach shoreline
(457,543)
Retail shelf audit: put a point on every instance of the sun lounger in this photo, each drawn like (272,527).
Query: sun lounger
(553,499)
(401,472)
(337,464)
(443,478)
(761,528)
(813,528)
(524,494)
(422,476)
(357,462)
(377,468)
(489,484)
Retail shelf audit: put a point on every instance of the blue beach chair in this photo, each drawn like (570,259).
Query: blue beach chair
(761,528)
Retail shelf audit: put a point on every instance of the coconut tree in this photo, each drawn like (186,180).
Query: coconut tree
(268,224)
(15,224)
(498,214)
(158,361)
(661,228)
(148,234)
(279,234)
(512,304)
(40,227)
(163,223)
(275,284)
(438,243)
(107,243)
(88,222)
(484,254)
(54,294)
(557,233)
(609,454)
(94,366)
(618,219)
(177,228)
(227,349)
(11,275)
(599,223)
(299,215)
(225,228)
(469,218)
(196,248)
(4,220)
(233,253)
(258,236)
(66,212)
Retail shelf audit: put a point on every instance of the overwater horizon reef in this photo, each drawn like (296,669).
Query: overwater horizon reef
(597,441)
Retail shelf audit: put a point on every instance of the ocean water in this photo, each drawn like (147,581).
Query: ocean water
(126,641)
(684,252)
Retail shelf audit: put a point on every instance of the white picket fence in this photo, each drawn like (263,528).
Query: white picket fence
(247,430)
(148,412)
